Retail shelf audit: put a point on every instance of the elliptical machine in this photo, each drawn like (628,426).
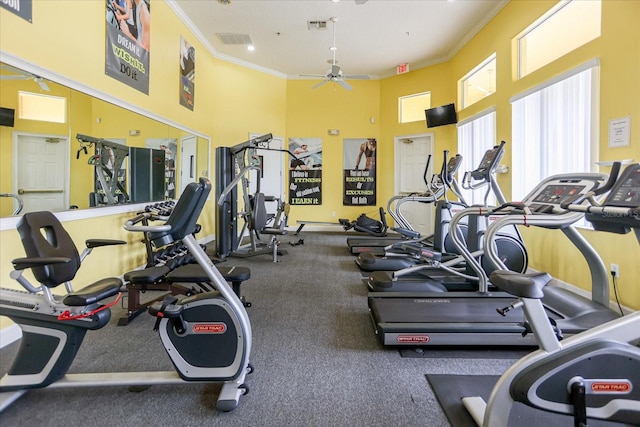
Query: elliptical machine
(207,336)
(593,374)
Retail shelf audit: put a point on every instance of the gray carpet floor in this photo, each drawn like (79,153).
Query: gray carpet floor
(317,361)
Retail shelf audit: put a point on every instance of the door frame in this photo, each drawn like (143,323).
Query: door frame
(397,140)
(66,139)
(184,165)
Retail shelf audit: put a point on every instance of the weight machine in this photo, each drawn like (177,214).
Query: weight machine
(108,160)
(233,170)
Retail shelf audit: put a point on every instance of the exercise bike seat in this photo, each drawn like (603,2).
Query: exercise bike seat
(94,293)
(147,275)
(521,285)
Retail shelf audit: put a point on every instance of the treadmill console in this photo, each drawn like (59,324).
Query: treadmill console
(454,163)
(551,193)
(626,191)
(623,202)
(489,162)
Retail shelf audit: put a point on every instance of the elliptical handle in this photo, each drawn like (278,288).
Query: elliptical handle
(426,171)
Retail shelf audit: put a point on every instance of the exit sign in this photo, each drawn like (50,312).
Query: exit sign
(402,68)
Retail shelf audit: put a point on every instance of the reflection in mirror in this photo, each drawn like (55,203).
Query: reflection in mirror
(45,166)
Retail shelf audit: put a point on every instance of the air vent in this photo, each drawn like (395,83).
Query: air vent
(231,38)
(317,25)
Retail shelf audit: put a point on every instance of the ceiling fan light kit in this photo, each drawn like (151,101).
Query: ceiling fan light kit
(335,73)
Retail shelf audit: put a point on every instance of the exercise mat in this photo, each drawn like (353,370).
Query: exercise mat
(450,389)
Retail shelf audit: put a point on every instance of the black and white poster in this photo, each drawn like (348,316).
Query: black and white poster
(359,172)
(305,171)
(187,73)
(128,36)
(22,8)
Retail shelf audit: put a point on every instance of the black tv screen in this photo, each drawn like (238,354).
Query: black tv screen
(440,116)
(7,116)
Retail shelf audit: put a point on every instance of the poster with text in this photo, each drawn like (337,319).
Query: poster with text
(128,42)
(187,73)
(359,172)
(22,8)
(305,171)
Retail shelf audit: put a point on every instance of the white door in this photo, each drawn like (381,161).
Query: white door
(40,175)
(411,155)
(272,174)
(188,150)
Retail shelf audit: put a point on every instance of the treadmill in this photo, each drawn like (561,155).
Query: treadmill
(396,256)
(470,318)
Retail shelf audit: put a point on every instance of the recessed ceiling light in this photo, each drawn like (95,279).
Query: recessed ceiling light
(335,1)
(251,48)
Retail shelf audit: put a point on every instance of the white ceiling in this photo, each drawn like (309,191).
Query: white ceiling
(372,38)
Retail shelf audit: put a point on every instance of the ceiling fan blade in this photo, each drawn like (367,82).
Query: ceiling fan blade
(344,84)
(321,76)
(42,84)
(357,77)
(12,69)
(8,77)
(317,85)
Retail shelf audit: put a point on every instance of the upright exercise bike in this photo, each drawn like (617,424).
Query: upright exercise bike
(207,335)
(593,374)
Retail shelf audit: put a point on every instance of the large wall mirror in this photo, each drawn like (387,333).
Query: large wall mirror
(46,167)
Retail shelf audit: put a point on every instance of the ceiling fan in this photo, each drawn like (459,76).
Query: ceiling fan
(22,75)
(335,73)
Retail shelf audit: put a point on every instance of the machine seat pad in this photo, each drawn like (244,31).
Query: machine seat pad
(521,285)
(94,293)
(193,273)
(146,276)
(273,231)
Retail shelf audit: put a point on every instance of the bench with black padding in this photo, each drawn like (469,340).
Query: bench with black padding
(173,280)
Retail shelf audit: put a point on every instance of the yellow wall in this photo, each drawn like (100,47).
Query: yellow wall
(311,113)
(232,101)
(435,79)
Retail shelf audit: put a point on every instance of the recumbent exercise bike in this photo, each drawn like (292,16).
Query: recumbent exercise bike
(207,336)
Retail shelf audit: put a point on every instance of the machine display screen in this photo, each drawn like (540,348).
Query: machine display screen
(556,194)
(626,193)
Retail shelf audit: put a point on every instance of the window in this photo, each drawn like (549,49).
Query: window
(411,107)
(554,129)
(564,28)
(478,83)
(45,108)
(476,135)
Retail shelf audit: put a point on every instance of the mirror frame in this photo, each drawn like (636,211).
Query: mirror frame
(9,223)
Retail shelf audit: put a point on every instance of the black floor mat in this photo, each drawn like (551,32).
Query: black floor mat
(450,389)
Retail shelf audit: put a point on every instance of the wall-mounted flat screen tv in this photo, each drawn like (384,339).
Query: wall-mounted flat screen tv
(440,116)
(7,116)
